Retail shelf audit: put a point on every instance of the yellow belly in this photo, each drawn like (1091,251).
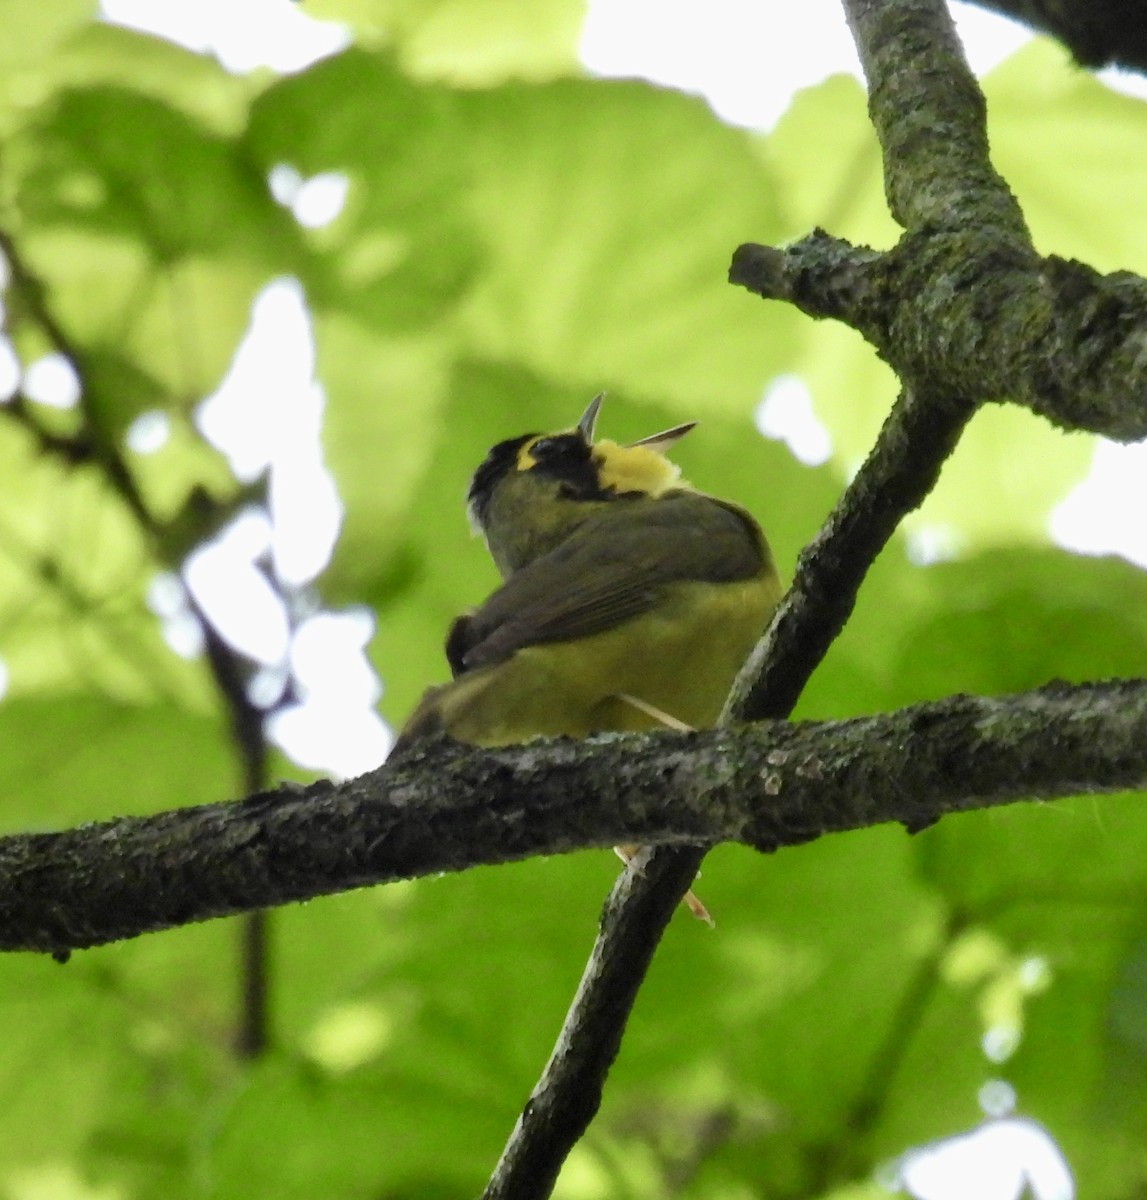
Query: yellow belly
(681,658)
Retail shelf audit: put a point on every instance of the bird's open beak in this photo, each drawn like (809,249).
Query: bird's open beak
(589,419)
(662,441)
(656,441)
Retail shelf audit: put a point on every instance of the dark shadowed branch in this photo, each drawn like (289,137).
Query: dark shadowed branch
(1097,32)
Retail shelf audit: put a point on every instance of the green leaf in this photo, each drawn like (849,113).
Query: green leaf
(1066,882)
(131,1026)
(73,569)
(1012,620)
(826,160)
(84,758)
(116,161)
(380,431)
(1041,108)
(404,249)
(608,254)
(60,47)
(31,33)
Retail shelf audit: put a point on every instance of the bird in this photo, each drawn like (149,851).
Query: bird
(629,599)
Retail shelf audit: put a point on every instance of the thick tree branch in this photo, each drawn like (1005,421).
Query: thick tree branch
(447,807)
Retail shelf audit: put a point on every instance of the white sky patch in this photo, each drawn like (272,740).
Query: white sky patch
(267,414)
(313,202)
(180,627)
(266,687)
(235,594)
(320,199)
(149,432)
(3,678)
(334,727)
(243,37)
(307,514)
(271,376)
(996,1161)
(997,1098)
(999,1043)
(1104,513)
(747,57)
(344,740)
(284,182)
(10,370)
(786,414)
(52,380)
(744,58)
(343,637)
(933,544)
(988,37)
(1130,83)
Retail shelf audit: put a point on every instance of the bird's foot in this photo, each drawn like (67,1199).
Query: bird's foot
(651,710)
(629,856)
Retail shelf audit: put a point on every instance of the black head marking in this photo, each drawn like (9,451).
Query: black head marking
(498,463)
(564,458)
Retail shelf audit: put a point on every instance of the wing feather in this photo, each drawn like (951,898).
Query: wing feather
(614,567)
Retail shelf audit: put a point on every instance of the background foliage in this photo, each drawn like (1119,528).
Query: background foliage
(515,238)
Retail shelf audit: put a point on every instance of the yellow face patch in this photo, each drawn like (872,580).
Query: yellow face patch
(635,469)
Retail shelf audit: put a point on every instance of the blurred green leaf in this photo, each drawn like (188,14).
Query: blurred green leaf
(119,162)
(125,1026)
(404,249)
(32,33)
(502,255)
(608,254)
(79,758)
(78,52)
(73,570)
(180,323)
(826,160)
(1040,104)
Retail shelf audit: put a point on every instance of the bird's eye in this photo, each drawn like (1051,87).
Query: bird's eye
(548,447)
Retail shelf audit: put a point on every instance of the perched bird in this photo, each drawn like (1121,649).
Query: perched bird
(630,600)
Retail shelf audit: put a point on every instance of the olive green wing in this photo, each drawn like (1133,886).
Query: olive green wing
(613,568)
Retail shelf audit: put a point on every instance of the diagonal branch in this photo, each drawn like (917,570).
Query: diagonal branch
(447,807)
